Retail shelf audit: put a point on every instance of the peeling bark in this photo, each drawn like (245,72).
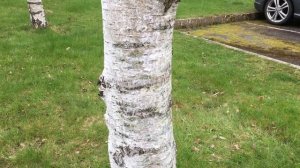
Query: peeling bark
(37,13)
(136,82)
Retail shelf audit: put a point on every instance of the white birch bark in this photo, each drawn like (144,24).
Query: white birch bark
(37,13)
(136,82)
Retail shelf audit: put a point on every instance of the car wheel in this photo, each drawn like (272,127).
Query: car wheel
(278,12)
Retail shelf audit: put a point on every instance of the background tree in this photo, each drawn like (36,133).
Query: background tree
(37,13)
(136,82)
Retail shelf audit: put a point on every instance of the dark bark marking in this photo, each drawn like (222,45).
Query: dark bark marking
(120,134)
(141,113)
(121,152)
(169,3)
(102,84)
(34,3)
(124,89)
(129,45)
(118,157)
(164,26)
(127,86)
(37,23)
(170,103)
(34,13)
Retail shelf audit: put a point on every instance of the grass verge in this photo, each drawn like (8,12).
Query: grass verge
(200,8)
(230,109)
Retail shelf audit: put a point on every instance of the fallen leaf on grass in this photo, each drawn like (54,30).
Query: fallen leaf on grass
(195,149)
(222,138)
(216,157)
(22,145)
(219,137)
(236,147)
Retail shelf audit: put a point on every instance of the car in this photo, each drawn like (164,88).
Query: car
(279,12)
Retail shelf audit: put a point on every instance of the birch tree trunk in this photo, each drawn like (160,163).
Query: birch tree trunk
(136,82)
(37,13)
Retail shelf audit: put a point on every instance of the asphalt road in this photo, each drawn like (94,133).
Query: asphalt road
(278,42)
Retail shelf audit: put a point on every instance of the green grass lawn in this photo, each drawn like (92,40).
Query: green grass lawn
(230,109)
(198,8)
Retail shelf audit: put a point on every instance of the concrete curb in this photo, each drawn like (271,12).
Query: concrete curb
(212,20)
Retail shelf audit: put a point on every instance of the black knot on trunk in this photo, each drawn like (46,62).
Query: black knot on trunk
(102,84)
(169,3)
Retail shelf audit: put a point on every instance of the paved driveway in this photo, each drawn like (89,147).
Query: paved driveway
(279,42)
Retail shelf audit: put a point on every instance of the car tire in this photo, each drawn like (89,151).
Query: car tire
(278,12)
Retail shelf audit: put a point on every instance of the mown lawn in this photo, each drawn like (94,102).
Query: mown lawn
(199,8)
(230,109)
